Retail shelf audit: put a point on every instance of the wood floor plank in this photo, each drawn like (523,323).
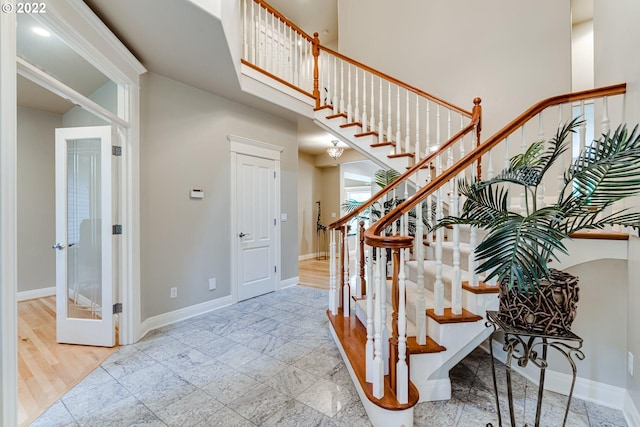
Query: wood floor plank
(314,273)
(46,369)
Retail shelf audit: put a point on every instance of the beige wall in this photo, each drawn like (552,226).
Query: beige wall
(36,198)
(184,145)
(330,194)
(511,54)
(601,310)
(309,192)
(616,39)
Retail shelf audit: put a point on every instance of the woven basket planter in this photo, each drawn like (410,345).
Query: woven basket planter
(549,310)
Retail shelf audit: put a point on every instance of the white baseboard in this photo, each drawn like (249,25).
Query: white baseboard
(585,389)
(174,316)
(630,411)
(292,281)
(306,257)
(36,293)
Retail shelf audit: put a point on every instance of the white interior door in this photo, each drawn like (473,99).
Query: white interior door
(84,287)
(256,225)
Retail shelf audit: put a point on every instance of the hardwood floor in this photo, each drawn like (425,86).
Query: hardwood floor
(314,273)
(46,369)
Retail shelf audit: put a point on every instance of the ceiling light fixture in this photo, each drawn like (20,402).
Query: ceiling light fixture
(335,151)
(41,32)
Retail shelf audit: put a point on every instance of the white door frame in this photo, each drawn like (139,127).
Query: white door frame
(8,220)
(251,147)
(78,26)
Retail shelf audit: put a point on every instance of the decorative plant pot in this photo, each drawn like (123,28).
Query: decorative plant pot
(549,310)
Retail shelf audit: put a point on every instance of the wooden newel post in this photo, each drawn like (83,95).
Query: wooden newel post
(316,72)
(363,280)
(395,303)
(477,117)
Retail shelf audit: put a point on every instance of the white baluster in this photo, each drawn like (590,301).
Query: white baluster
(291,39)
(389,130)
(372,117)
(407,142)
(421,305)
(490,170)
(333,292)
(349,111)
(336,110)
(438,287)
(383,302)
(365,121)
(379,321)
(473,264)
(398,135)
(356,112)
(605,115)
(417,147)
(252,23)
(371,284)
(245,42)
(402,369)
(582,130)
(380,114)
(540,192)
(358,290)
(342,109)
(456,283)
(523,148)
(438,139)
(346,288)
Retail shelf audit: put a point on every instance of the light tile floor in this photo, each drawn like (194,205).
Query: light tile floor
(271,361)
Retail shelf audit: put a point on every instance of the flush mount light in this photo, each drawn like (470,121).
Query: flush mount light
(41,32)
(335,151)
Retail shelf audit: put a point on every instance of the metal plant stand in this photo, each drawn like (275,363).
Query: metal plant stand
(321,231)
(525,347)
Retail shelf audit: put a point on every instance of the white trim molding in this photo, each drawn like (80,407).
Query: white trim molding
(287,283)
(307,256)
(8,220)
(174,316)
(630,411)
(36,293)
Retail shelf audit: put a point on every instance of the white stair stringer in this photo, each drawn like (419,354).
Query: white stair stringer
(430,371)
(361,144)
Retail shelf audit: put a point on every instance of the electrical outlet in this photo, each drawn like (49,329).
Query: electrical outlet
(212,283)
(630,363)
(174,293)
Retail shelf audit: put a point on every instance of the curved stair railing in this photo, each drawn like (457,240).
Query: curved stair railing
(541,119)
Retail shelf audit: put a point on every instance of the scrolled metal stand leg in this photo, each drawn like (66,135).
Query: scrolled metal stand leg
(495,381)
(512,415)
(541,385)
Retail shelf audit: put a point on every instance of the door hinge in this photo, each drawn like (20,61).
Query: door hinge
(275,268)
(274,221)
(117,229)
(274,174)
(116,150)
(117,308)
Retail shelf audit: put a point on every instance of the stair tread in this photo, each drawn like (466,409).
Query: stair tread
(412,345)
(363,134)
(383,144)
(335,116)
(353,338)
(394,156)
(346,125)
(449,317)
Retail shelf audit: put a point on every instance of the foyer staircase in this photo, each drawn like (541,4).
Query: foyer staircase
(406,303)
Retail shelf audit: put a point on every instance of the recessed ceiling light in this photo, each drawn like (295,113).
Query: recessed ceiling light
(41,32)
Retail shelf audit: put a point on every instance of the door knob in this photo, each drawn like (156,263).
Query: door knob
(243,234)
(58,246)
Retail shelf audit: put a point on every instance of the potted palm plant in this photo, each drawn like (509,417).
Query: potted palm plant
(519,245)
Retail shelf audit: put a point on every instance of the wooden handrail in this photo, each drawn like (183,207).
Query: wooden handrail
(284,19)
(398,82)
(475,120)
(373,235)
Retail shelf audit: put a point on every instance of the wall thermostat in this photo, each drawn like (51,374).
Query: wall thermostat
(197,194)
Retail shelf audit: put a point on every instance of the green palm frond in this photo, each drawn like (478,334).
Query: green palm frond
(351,205)
(518,248)
(607,170)
(528,169)
(384,177)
